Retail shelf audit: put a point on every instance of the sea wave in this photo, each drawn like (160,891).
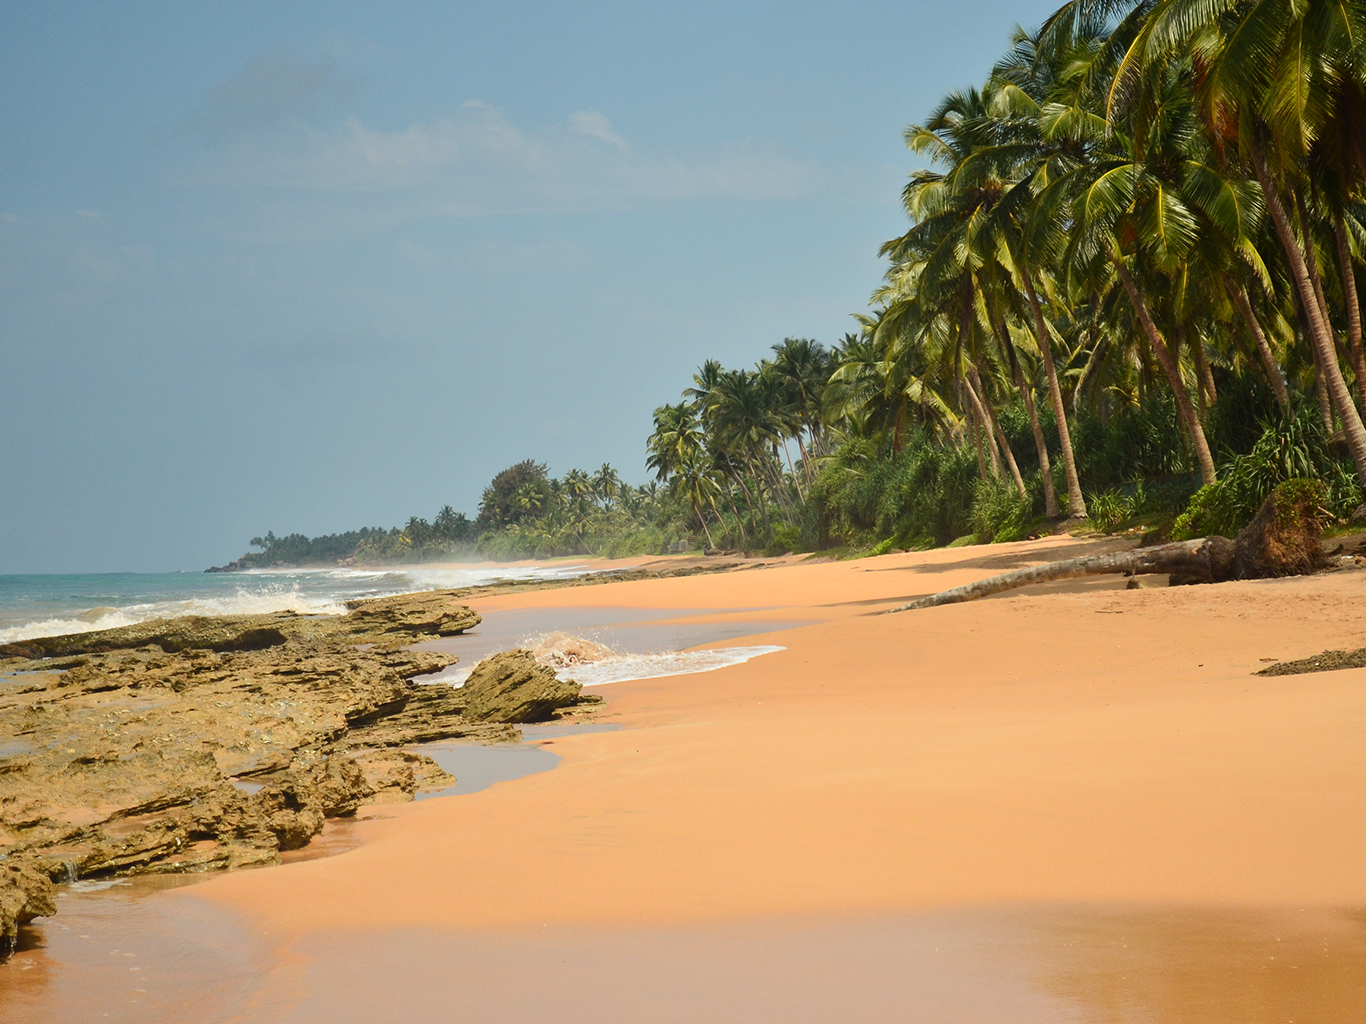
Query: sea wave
(624,667)
(322,591)
(612,667)
(259,601)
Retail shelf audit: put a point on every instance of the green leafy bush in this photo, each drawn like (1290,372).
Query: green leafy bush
(1292,449)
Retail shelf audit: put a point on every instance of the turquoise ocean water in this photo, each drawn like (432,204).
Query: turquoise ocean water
(45,605)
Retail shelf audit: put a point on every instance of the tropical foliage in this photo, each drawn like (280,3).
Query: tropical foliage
(1126,290)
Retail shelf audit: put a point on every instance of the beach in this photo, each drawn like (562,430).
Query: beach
(1073,802)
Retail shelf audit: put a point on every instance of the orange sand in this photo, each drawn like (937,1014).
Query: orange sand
(1087,744)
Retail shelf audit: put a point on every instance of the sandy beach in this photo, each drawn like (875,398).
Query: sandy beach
(1075,802)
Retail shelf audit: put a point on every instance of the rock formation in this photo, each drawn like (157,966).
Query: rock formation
(211,742)
(514,687)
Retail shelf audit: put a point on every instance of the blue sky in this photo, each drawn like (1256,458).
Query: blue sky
(316,266)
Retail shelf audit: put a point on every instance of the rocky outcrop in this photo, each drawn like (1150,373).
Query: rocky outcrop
(514,687)
(26,892)
(201,743)
(432,614)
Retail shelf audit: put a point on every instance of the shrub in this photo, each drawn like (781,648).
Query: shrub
(1293,449)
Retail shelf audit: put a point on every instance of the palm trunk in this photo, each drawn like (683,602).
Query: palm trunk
(749,502)
(1353,303)
(1164,356)
(1207,558)
(739,519)
(1322,340)
(792,469)
(1201,396)
(806,462)
(1311,261)
(1206,375)
(1050,496)
(1321,392)
(977,443)
(779,487)
(1001,439)
(1076,504)
(701,515)
(982,418)
(1273,371)
(758,489)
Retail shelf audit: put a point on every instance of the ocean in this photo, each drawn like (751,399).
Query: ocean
(47,605)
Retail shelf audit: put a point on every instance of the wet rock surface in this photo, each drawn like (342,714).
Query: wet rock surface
(200,743)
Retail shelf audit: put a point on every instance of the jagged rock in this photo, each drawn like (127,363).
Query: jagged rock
(26,892)
(412,613)
(197,743)
(199,632)
(397,775)
(514,687)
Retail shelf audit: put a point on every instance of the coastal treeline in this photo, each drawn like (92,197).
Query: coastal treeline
(1127,290)
(523,512)
(1127,293)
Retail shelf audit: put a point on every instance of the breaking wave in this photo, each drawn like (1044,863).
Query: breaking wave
(50,606)
(590,663)
(623,667)
(244,602)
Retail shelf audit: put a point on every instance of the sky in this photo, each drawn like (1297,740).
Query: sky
(308,267)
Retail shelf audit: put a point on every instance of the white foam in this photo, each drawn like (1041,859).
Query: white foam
(95,884)
(260,601)
(621,668)
(324,591)
(624,667)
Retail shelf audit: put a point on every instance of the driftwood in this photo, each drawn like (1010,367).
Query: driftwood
(1281,540)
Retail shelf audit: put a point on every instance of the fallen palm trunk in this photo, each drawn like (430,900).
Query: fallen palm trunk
(1281,540)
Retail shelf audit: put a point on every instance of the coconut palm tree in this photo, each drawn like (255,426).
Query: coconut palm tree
(606,485)
(1278,81)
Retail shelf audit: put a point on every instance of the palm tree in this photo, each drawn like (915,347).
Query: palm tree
(1278,80)
(677,436)
(606,485)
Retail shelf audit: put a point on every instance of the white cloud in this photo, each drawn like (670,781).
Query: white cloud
(596,125)
(477,162)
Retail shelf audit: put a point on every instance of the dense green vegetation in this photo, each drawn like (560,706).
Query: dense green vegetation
(523,512)
(1127,292)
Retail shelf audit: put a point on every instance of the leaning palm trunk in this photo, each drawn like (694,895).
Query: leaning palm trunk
(702,518)
(1273,370)
(986,421)
(1352,427)
(1000,434)
(1209,394)
(1281,540)
(759,494)
(975,423)
(1350,299)
(1321,392)
(1050,497)
(1076,504)
(1164,357)
(1311,259)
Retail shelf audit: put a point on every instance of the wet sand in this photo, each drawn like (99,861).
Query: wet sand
(961,813)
